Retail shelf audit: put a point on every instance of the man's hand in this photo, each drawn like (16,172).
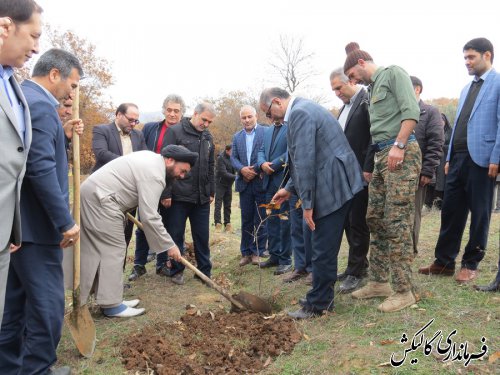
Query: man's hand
(266,167)
(167,202)
(70,236)
(281,196)
(68,126)
(446,167)
(368,176)
(248,173)
(424,180)
(13,248)
(211,199)
(308,218)
(395,158)
(493,171)
(174,253)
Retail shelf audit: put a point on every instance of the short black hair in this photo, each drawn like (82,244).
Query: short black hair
(20,11)
(415,81)
(59,59)
(229,147)
(480,45)
(123,108)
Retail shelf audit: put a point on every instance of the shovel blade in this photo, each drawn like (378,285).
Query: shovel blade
(82,329)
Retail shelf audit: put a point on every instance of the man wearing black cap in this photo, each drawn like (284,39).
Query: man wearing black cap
(394,112)
(134,180)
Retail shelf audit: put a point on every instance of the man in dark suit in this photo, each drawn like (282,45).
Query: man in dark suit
(271,160)
(246,145)
(326,175)
(119,138)
(355,121)
(471,168)
(21,29)
(34,310)
(224,180)
(154,134)
(429,132)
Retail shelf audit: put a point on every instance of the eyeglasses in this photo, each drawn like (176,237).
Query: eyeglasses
(268,112)
(131,120)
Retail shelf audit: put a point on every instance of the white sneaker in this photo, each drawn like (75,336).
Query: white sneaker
(128,313)
(131,303)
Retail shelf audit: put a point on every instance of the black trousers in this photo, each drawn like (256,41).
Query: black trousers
(223,195)
(468,189)
(358,235)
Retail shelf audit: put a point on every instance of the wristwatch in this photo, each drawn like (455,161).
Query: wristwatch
(400,145)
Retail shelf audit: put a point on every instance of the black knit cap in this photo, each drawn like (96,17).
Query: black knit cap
(353,55)
(179,153)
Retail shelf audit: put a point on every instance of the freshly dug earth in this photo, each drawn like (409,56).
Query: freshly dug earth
(210,343)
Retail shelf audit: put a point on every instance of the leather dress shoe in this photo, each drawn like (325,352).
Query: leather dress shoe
(198,278)
(294,276)
(245,259)
(163,271)
(493,287)
(64,370)
(268,263)
(283,268)
(436,269)
(255,259)
(178,278)
(305,313)
(309,279)
(465,275)
(137,272)
(350,284)
(341,276)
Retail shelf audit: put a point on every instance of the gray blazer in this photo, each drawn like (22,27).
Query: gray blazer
(13,155)
(325,171)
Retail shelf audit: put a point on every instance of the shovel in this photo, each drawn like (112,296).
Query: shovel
(79,321)
(239,302)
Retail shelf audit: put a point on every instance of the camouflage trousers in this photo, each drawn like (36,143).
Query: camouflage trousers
(390,215)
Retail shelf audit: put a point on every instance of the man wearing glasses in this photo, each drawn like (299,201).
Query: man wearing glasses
(119,138)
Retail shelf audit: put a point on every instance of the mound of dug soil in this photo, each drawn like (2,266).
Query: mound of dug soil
(210,343)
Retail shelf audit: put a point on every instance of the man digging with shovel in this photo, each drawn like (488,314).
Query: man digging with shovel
(134,180)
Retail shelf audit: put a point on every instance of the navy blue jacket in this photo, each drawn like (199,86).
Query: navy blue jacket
(45,211)
(276,155)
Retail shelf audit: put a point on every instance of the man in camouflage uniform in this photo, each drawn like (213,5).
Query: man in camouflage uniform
(394,113)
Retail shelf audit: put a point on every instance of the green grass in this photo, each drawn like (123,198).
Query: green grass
(355,339)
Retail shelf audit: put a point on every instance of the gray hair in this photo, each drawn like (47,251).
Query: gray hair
(59,59)
(339,72)
(174,98)
(273,92)
(205,106)
(247,106)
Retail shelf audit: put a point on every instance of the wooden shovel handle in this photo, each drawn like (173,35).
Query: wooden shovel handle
(200,274)
(76,194)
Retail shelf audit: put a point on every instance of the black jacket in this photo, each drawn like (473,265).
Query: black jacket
(199,185)
(429,132)
(357,131)
(225,175)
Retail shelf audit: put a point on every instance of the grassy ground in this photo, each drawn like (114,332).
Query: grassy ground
(355,339)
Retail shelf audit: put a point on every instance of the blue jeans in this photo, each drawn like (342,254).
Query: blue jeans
(301,237)
(141,244)
(251,217)
(278,233)
(199,219)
